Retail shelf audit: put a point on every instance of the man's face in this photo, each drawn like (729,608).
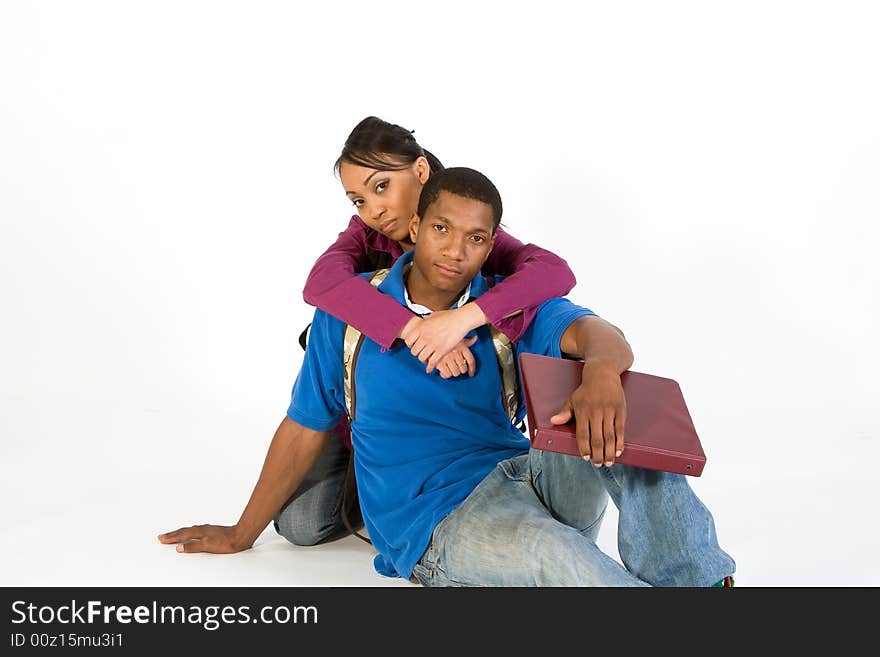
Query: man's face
(453,240)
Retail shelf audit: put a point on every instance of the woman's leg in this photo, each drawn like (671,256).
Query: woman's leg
(313,514)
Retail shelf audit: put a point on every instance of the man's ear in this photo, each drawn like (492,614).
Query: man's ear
(414,227)
(422,169)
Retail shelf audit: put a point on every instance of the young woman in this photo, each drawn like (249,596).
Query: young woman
(382,169)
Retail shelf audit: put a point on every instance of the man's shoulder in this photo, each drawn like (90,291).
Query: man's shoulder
(562,305)
(551,319)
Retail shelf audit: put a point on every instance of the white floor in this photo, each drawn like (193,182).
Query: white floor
(86,490)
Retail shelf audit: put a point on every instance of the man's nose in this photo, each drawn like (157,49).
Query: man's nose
(455,249)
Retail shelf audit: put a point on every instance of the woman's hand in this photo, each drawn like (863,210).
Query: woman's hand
(458,361)
(206,538)
(436,335)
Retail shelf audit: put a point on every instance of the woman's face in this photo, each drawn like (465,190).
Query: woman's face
(385,200)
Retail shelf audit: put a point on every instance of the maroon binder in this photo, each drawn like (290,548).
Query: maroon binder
(659,432)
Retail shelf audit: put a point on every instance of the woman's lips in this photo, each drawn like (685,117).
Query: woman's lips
(448,271)
(385,226)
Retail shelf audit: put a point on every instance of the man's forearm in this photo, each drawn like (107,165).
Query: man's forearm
(597,342)
(292,453)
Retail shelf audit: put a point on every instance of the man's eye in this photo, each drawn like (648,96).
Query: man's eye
(479,239)
(440,228)
(381,186)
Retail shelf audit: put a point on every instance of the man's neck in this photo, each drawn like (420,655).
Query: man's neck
(423,293)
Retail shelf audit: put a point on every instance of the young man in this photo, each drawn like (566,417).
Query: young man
(449,490)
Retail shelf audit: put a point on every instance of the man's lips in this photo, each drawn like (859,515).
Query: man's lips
(385,226)
(446,270)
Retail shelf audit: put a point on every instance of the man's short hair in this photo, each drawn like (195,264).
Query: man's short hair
(464,182)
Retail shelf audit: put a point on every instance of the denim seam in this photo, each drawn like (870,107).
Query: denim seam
(594,523)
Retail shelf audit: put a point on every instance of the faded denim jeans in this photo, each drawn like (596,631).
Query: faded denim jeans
(533,521)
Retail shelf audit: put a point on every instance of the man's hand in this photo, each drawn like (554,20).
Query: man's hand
(459,361)
(206,538)
(436,335)
(599,409)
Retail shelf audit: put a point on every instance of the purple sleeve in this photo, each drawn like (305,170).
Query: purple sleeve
(535,275)
(334,287)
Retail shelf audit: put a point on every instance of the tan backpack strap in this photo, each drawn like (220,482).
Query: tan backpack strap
(505,354)
(351,345)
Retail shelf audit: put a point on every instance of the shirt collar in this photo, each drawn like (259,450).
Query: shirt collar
(393,285)
(418,308)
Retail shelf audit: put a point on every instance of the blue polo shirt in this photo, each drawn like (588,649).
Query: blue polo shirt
(421,443)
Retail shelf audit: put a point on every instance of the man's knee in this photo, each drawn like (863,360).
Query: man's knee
(302,531)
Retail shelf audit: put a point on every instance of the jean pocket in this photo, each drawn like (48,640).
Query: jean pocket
(516,468)
(422,575)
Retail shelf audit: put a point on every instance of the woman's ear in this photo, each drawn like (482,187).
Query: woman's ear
(422,169)
(414,227)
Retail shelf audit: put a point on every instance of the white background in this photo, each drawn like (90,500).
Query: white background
(709,170)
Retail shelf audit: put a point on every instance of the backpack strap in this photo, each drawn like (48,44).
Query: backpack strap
(351,346)
(505,354)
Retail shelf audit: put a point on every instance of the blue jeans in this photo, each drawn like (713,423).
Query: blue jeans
(534,519)
(313,514)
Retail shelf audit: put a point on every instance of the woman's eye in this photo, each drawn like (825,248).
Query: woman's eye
(357,202)
(381,186)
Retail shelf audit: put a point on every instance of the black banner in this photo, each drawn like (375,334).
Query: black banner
(328,619)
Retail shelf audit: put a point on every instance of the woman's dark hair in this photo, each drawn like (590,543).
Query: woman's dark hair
(377,144)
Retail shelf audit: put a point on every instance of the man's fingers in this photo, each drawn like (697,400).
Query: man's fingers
(192,546)
(581,428)
(168,537)
(597,438)
(619,425)
(610,440)
(178,535)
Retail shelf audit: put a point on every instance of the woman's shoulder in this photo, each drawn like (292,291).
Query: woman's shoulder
(355,223)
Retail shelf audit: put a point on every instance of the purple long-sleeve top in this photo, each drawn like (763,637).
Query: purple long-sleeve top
(533,276)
